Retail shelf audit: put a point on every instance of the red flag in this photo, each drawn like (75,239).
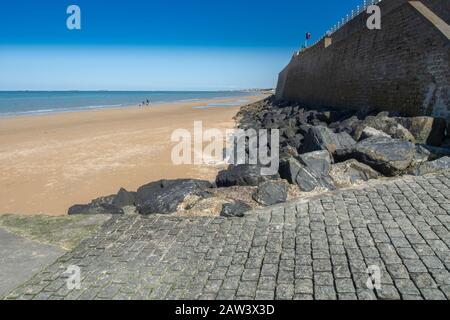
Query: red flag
(308,36)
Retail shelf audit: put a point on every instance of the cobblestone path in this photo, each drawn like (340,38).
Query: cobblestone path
(311,249)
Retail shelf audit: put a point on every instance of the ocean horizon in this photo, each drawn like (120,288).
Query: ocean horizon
(16,103)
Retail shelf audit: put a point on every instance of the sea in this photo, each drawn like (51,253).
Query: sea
(16,103)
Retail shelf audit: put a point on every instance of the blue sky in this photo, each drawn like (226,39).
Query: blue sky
(156,44)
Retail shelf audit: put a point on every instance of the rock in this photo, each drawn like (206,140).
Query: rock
(289,169)
(196,206)
(88,209)
(421,155)
(347,173)
(101,205)
(437,152)
(295,141)
(345,140)
(304,129)
(165,196)
(307,178)
(348,125)
(426,130)
(329,116)
(318,161)
(288,132)
(242,175)
(288,151)
(106,201)
(366,111)
(236,209)
(320,138)
(431,167)
(446,142)
(369,132)
(388,156)
(387,125)
(124,198)
(270,193)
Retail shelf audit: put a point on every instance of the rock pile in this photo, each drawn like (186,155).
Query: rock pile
(320,149)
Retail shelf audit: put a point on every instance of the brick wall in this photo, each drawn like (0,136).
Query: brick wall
(405,66)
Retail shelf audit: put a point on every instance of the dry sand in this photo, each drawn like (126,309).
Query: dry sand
(51,162)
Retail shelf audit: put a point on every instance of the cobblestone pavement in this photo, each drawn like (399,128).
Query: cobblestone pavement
(315,249)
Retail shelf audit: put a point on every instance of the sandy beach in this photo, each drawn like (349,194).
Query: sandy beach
(51,162)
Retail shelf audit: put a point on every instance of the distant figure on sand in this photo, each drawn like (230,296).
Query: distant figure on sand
(145,103)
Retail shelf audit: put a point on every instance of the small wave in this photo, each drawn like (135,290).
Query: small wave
(57,110)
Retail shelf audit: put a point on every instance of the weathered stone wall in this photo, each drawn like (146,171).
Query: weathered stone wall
(404,67)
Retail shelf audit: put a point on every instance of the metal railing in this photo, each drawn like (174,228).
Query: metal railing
(349,17)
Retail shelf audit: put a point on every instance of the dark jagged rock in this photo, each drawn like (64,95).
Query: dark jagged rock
(165,196)
(307,178)
(242,175)
(387,125)
(347,173)
(89,209)
(295,141)
(431,167)
(304,129)
(369,132)
(289,168)
(236,209)
(421,155)
(366,111)
(348,125)
(124,198)
(319,138)
(318,161)
(288,151)
(345,140)
(388,156)
(270,193)
(103,205)
(436,152)
(426,130)
(288,132)
(322,138)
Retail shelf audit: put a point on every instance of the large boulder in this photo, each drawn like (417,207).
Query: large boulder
(242,175)
(165,196)
(322,138)
(387,125)
(124,198)
(289,168)
(426,130)
(345,140)
(103,205)
(421,155)
(318,161)
(235,209)
(310,172)
(295,141)
(348,125)
(369,132)
(270,193)
(388,156)
(347,173)
(319,138)
(431,167)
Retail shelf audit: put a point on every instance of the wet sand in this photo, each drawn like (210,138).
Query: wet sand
(51,162)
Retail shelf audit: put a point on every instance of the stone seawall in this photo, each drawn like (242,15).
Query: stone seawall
(403,67)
